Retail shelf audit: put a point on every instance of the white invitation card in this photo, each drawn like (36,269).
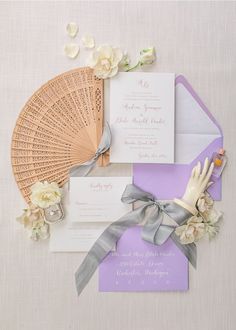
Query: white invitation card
(142,116)
(93,203)
(68,237)
(97,199)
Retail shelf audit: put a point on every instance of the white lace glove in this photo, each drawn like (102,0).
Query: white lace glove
(197,184)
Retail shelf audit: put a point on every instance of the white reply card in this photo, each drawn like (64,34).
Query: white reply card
(142,118)
(97,199)
(75,237)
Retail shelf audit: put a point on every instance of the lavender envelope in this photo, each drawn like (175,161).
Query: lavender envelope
(140,266)
(197,136)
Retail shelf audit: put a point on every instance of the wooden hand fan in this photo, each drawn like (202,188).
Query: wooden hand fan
(60,126)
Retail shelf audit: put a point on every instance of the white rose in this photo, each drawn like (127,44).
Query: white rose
(33,221)
(212,222)
(192,231)
(40,230)
(214,216)
(205,203)
(31,215)
(44,194)
(105,60)
(147,56)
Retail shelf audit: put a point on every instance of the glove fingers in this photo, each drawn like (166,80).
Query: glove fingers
(205,168)
(209,173)
(209,184)
(198,170)
(193,171)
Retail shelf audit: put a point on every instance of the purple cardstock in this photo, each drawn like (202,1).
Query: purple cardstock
(140,266)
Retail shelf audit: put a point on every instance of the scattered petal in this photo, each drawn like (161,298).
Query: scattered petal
(71,50)
(88,41)
(72,29)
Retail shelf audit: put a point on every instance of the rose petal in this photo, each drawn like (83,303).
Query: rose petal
(118,56)
(93,59)
(106,51)
(189,231)
(72,29)
(113,72)
(71,50)
(214,216)
(88,41)
(180,229)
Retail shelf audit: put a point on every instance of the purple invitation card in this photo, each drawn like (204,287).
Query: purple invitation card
(140,266)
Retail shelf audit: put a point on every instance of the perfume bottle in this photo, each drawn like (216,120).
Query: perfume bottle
(219,159)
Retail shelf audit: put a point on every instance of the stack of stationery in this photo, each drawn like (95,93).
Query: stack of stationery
(160,125)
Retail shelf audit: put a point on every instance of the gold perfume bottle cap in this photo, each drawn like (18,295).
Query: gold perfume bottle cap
(218,162)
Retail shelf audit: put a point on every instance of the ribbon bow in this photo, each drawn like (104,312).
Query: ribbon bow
(104,145)
(154,231)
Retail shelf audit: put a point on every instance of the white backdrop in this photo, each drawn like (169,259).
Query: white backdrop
(196,39)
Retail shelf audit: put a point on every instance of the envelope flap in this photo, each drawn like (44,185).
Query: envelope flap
(195,127)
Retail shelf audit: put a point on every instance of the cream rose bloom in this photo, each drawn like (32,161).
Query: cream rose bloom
(205,203)
(33,221)
(192,231)
(30,215)
(39,230)
(44,194)
(105,60)
(210,216)
(147,56)
(212,222)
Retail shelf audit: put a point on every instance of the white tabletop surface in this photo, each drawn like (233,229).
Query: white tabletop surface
(196,39)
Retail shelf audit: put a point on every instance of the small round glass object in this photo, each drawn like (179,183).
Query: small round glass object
(53,213)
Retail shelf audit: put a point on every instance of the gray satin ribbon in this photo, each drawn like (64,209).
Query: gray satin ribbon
(151,212)
(85,168)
